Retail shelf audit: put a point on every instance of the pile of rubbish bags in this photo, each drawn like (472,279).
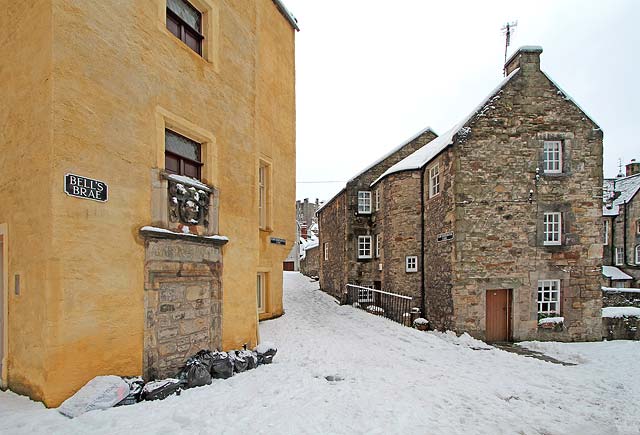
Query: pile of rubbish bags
(104,392)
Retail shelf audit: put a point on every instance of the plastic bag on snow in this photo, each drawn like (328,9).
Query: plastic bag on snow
(221,366)
(194,374)
(135,390)
(239,363)
(101,392)
(250,357)
(265,352)
(158,390)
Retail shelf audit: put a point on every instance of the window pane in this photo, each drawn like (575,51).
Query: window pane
(191,170)
(182,146)
(171,164)
(192,40)
(173,26)
(186,12)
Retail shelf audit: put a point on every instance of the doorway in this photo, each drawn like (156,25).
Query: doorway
(498,320)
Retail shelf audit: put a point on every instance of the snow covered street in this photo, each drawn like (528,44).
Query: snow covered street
(341,370)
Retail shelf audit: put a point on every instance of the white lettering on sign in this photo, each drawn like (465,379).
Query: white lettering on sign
(83,187)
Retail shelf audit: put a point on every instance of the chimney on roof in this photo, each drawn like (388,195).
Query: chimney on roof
(633,168)
(526,58)
(303,231)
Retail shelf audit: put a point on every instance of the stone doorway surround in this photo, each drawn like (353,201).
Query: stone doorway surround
(182,297)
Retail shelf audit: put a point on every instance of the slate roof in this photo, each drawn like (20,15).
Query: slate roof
(614,273)
(627,186)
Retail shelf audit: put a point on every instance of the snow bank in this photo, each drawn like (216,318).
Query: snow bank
(617,312)
(548,320)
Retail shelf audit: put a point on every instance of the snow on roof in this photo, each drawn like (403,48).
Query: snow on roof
(393,151)
(614,273)
(425,154)
(567,97)
(326,203)
(524,49)
(627,186)
(613,312)
(287,14)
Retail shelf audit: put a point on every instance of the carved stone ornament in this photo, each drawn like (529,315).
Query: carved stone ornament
(188,204)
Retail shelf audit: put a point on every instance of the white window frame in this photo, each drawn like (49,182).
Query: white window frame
(365,295)
(364,247)
(434,180)
(637,254)
(606,231)
(326,251)
(261,292)
(378,243)
(549,288)
(377,199)
(411,263)
(552,157)
(619,257)
(364,202)
(552,228)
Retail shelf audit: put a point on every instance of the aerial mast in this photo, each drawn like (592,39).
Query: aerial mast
(506,29)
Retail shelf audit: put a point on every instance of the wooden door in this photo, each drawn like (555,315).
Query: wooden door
(2,301)
(498,321)
(288,266)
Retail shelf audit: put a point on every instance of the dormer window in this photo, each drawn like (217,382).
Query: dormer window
(552,157)
(185,22)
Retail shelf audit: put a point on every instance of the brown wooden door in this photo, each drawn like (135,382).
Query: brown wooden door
(498,315)
(288,266)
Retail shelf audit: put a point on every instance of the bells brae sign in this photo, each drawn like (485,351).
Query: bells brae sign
(87,188)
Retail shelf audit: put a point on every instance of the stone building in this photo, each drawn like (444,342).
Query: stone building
(496,224)
(348,226)
(621,216)
(159,138)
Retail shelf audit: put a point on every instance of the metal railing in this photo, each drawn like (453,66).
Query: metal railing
(393,306)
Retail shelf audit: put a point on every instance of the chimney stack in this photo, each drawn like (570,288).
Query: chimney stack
(633,168)
(526,58)
(303,231)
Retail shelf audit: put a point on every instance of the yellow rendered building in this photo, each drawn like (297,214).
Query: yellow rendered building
(147,184)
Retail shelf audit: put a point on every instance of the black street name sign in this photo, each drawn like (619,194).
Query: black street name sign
(278,241)
(83,187)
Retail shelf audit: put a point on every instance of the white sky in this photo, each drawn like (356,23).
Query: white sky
(371,73)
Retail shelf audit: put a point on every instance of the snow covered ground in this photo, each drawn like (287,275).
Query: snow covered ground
(341,370)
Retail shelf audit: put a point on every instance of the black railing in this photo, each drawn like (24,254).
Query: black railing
(393,306)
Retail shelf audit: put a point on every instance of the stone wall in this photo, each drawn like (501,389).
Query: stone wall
(183,303)
(623,328)
(500,204)
(399,224)
(310,264)
(620,299)
(440,239)
(332,223)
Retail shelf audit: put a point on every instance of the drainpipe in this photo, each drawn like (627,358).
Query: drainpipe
(422,286)
(624,237)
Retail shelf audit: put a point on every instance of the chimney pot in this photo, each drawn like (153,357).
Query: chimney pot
(527,58)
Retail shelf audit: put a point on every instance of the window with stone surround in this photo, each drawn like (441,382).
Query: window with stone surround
(552,228)
(264,195)
(411,263)
(378,245)
(549,297)
(182,156)
(364,202)
(619,256)
(637,254)
(434,180)
(261,291)
(185,22)
(377,199)
(364,294)
(552,157)
(326,250)
(364,246)
(606,232)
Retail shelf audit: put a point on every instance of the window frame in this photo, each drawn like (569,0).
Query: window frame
(546,162)
(366,294)
(364,245)
(619,256)
(378,243)
(182,160)
(377,200)
(407,263)
(551,302)
(364,202)
(185,28)
(434,180)
(264,195)
(606,232)
(326,250)
(261,292)
(545,229)
(637,255)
